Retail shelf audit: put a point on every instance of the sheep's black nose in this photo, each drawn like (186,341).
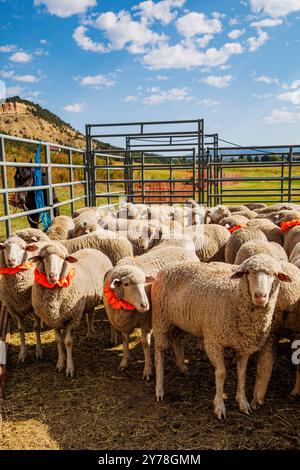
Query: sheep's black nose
(143,305)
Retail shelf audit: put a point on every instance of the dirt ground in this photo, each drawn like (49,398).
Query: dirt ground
(102,408)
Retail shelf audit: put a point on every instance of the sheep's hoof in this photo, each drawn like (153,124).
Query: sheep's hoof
(22,357)
(245,407)
(220,411)
(295,392)
(256,403)
(147,374)
(160,395)
(123,366)
(39,353)
(60,367)
(70,372)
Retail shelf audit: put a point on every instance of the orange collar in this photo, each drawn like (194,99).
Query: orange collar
(284,226)
(41,278)
(114,302)
(22,267)
(236,227)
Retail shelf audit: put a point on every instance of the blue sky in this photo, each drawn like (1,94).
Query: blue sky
(234,63)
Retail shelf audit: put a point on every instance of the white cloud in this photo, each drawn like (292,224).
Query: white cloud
(129,99)
(96,81)
(44,42)
(218,81)
(75,107)
(159,11)
(19,78)
(65,8)
(121,31)
(207,103)
(275,7)
(162,77)
(85,42)
(204,40)
(21,57)
(2,91)
(266,79)
(182,56)
(159,96)
(7,48)
(263,96)
(282,115)
(14,90)
(267,23)
(255,42)
(295,84)
(236,33)
(291,96)
(194,23)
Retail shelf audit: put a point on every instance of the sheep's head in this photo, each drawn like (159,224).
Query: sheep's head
(53,260)
(128,283)
(286,216)
(262,273)
(217,213)
(15,251)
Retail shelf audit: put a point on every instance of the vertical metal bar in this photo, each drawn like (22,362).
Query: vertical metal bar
(88,164)
(4,185)
(49,178)
(199,162)
(221,178)
(107,178)
(208,178)
(171,180)
(194,174)
(127,170)
(290,159)
(143,178)
(282,177)
(71,179)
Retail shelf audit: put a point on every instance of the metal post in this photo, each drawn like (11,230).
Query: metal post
(143,178)
(88,158)
(49,180)
(108,179)
(71,179)
(290,160)
(171,180)
(194,173)
(4,185)
(282,178)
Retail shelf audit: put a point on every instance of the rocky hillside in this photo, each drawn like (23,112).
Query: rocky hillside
(23,118)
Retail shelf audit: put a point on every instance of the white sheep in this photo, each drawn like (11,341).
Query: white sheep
(61,228)
(199,299)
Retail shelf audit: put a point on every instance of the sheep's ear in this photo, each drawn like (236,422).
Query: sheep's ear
(283,277)
(71,259)
(238,273)
(150,279)
(227,225)
(34,239)
(115,283)
(2,246)
(31,248)
(35,259)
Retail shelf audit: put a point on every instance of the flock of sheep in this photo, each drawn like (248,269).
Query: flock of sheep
(227,275)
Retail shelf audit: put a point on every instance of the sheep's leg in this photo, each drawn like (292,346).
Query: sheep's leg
(264,367)
(37,329)
(179,352)
(60,351)
(68,345)
(21,328)
(146,342)
(216,356)
(114,336)
(296,390)
(159,367)
(242,361)
(90,324)
(125,358)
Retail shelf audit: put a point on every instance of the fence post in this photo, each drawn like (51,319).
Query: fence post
(71,179)
(290,160)
(49,178)
(4,185)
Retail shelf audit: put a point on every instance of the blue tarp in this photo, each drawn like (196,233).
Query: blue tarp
(39,194)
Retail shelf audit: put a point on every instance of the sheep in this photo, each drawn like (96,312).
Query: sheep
(272,232)
(255,247)
(247,213)
(30,235)
(286,322)
(123,224)
(126,283)
(197,299)
(61,228)
(255,205)
(87,222)
(290,226)
(276,207)
(114,248)
(128,211)
(16,284)
(77,212)
(238,238)
(237,208)
(234,221)
(156,213)
(214,215)
(61,294)
(210,241)
(294,257)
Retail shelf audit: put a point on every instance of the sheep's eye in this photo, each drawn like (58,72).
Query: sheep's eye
(126,284)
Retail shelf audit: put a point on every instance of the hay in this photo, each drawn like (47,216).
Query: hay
(104,409)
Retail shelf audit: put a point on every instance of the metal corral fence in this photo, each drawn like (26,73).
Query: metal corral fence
(253,174)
